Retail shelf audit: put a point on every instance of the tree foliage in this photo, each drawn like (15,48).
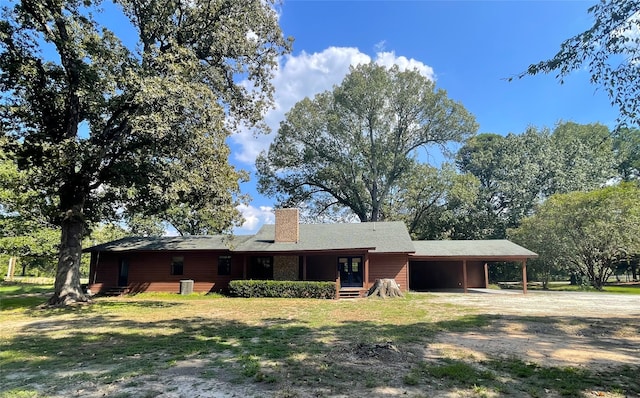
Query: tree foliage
(348,148)
(106,131)
(610,51)
(626,144)
(517,172)
(587,232)
(433,202)
(24,231)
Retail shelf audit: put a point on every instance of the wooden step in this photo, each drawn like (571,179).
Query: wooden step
(351,293)
(115,291)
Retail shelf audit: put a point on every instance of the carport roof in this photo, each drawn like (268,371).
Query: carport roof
(496,250)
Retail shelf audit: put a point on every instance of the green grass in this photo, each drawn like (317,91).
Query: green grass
(452,372)
(568,381)
(625,289)
(16,295)
(514,377)
(15,288)
(566,287)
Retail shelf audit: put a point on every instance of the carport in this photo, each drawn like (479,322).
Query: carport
(451,264)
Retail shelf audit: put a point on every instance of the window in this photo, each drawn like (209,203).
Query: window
(224,265)
(177,265)
(261,268)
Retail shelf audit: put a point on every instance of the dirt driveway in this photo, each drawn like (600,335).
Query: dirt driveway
(549,328)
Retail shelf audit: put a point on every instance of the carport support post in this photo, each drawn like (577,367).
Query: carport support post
(486,275)
(366,271)
(524,276)
(464,275)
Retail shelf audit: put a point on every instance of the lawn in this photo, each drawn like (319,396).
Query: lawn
(148,344)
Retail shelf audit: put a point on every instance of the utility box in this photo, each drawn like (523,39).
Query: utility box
(186,286)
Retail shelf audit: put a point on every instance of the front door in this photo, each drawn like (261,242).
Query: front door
(123,272)
(350,269)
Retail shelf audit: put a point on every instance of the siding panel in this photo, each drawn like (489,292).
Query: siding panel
(392,266)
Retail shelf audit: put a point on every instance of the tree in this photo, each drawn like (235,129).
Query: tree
(101,128)
(626,144)
(431,201)
(517,172)
(610,50)
(348,148)
(513,173)
(588,232)
(533,233)
(584,157)
(24,232)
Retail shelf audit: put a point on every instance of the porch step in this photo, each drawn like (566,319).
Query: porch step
(115,291)
(351,293)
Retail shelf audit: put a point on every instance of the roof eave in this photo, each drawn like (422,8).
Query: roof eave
(491,258)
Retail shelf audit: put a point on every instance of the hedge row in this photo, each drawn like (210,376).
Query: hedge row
(284,289)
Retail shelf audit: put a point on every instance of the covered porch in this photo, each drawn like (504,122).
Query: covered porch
(349,269)
(354,271)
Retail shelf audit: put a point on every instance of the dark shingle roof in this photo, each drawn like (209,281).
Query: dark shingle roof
(214,242)
(378,237)
(499,248)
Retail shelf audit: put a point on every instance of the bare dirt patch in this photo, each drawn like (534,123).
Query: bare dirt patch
(549,328)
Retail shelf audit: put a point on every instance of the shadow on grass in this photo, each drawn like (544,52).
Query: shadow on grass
(32,304)
(278,353)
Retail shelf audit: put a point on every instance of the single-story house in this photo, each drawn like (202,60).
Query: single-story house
(353,255)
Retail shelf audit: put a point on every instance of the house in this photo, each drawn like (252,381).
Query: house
(353,255)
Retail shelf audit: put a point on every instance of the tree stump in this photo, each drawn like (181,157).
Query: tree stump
(385,288)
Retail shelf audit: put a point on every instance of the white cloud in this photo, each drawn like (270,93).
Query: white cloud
(389,59)
(254,217)
(305,75)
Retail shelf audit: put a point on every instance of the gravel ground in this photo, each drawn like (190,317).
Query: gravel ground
(540,303)
(595,331)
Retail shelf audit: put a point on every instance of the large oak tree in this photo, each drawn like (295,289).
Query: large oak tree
(106,131)
(349,147)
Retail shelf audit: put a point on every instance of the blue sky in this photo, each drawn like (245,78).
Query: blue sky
(469,48)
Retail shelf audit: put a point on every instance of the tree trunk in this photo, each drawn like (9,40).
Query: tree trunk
(67,285)
(385,288)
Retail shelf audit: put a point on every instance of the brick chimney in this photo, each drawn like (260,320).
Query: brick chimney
(287,228)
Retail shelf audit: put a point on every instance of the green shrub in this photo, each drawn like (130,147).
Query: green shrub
(283,289)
